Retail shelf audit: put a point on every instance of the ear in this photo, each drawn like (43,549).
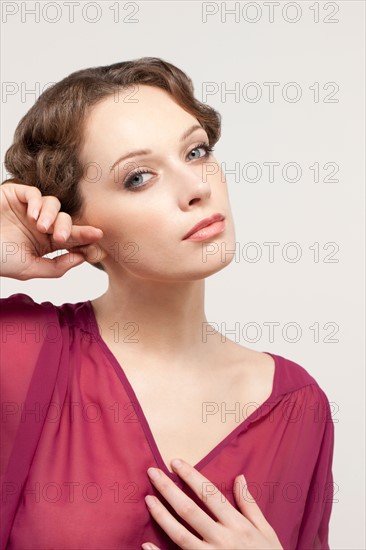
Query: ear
(93,253)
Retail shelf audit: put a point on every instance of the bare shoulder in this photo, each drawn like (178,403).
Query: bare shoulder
(250,369)
(258,360)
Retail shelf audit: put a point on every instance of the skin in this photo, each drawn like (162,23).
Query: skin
(155,274)
(152,272)
(246,528)
(166,283)
(32,226)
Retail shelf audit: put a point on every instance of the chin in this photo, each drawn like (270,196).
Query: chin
(191,273)
(207,269)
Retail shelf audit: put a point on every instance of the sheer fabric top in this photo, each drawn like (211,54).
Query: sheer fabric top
(75,443)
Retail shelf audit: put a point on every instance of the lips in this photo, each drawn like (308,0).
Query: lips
(204,223)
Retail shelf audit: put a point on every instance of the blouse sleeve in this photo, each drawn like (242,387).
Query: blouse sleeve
(314,529)
(29,353)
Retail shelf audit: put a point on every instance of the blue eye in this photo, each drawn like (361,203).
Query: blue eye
(205,147)
(131,180)
(133,185)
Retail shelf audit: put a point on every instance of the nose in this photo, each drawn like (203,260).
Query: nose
(193,186)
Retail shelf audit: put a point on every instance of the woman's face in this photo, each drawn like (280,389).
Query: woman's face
(144,217)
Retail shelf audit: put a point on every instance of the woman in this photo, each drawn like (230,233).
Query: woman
(114,164)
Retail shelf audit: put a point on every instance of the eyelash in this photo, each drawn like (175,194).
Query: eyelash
(128,185)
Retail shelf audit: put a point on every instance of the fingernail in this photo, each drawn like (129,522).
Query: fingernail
(46,222)
(63,234)
(75,257)
(35,213)
(146,546)
(153,473)
(150,501)
(242,479)
(176,463)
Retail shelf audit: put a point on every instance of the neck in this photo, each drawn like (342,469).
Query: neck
(167,319)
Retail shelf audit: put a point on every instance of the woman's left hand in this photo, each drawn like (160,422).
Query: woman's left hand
(245,529)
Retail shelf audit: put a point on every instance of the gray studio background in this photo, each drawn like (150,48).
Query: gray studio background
(319,46)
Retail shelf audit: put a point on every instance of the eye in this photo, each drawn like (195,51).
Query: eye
(205,146)
(134,180)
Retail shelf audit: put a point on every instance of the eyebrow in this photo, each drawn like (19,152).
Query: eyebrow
(142,152)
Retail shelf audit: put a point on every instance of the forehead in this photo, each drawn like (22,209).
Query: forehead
(136,110)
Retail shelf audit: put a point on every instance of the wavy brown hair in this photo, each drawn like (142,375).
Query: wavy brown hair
(48,139)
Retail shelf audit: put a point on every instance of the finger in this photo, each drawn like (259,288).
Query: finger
(52,267)
(28,194)
(65,233)
(79,236)
(50,208)
(85,234)
(183,505)
(34,199)
(208,493)
(62,227)
(175,530)
(248,505)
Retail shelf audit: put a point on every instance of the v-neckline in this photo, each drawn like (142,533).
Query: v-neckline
(143,420)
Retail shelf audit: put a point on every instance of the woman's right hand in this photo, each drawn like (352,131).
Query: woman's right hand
(24,239)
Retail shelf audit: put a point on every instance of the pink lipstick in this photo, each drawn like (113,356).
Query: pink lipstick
(206,228)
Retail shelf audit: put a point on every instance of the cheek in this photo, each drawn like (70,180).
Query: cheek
(148,237)
(137,224)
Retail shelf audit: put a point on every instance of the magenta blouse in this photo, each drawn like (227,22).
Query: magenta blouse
(75,443)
